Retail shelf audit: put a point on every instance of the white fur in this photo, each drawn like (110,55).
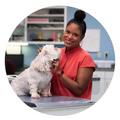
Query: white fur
(38,76)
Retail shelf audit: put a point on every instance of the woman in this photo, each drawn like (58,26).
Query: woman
(73,71)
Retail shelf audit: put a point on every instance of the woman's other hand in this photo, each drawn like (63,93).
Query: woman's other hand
(55,65)
(39,50)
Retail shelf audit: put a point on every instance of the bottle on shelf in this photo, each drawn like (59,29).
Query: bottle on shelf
(33,36)
(40,36)
(54,36)
(62,38)
(59,37)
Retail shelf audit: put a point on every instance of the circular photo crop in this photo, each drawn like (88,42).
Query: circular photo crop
(59,60)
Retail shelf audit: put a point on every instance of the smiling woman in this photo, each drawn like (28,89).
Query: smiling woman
(73,71)
(75,30)
(72,36)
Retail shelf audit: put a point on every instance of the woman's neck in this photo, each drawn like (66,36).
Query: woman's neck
(68,49)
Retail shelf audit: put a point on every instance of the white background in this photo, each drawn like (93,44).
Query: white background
(106,12)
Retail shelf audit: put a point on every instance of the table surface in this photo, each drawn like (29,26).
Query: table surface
(55,101)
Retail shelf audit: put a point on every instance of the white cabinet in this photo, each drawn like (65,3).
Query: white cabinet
(40,26)
(18,34)
(98,85)
(101,81)
(108,78)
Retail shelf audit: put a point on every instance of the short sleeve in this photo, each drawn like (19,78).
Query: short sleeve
(87,61)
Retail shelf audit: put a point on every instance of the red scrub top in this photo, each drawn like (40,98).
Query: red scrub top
(70,62)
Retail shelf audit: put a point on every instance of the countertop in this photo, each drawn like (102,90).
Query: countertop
(19,70)
(111,68)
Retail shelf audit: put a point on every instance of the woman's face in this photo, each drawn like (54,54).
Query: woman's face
(72,36)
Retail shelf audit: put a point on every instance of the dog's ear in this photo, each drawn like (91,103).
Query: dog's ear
(44,66)
(41,63)
(44,53)
(59,53)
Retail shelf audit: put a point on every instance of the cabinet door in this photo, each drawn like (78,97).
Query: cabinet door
(109,74)
(98,85)
(108,78)
(100,74)
(107,83)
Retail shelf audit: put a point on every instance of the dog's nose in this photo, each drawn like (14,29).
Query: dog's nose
(54,61)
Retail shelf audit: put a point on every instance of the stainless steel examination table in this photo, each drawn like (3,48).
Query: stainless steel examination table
(57,105)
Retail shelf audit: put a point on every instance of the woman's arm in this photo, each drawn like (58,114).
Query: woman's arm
(83,78)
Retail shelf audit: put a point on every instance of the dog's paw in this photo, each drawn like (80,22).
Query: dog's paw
(46,94)
(35,95)
(39,91)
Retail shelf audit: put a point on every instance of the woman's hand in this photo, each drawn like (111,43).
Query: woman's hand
(39,50)
(55,65)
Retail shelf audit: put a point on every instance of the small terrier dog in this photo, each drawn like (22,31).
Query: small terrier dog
(37,78)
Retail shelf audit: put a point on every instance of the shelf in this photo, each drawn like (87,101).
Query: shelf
(55,7)
(17,41)
(21,25)
(50,28)
(54,23)
(35,42)
(44,42)
(47,15)
(45,22)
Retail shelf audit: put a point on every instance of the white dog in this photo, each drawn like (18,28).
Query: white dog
(38,76)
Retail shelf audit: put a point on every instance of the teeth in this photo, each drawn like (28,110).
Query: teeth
(68,41)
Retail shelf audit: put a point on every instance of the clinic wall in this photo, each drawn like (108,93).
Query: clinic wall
(106,45)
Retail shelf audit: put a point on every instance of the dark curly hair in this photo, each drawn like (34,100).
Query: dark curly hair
(78,19)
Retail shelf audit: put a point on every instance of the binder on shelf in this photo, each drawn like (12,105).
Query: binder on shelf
(38,20)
